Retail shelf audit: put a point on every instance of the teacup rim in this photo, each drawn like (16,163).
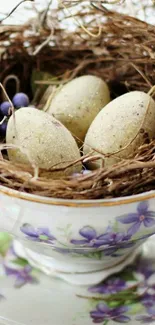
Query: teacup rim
(77,203)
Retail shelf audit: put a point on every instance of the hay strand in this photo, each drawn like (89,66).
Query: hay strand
(125,178)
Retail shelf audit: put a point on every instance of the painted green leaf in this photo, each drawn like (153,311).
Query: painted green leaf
(5,242)
(141,234)
(114,303)
(93,303)
(136,309)
(116,226)
(69,226)
(60,229)
(128,276)
(124,297)
(20,261)
(67,231)
(95,255)
(105,322)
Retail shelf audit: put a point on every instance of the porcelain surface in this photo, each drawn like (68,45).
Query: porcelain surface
(126,298)
(79,237)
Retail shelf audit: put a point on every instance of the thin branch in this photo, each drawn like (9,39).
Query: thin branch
(46,42)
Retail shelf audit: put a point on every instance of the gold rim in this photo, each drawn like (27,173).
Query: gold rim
(76,203)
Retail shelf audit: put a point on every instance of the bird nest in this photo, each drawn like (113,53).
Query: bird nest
(116,47)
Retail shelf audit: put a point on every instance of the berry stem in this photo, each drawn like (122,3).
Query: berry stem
(6,95)
(12,76)
(4,118)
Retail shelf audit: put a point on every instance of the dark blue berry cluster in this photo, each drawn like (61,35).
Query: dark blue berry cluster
(19,100)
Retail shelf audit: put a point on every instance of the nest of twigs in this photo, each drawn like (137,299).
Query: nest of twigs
(118,48)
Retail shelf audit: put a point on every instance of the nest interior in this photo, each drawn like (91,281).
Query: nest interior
(116,47)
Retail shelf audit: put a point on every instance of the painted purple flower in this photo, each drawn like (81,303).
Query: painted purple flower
(147,319)
(148,300)
(143,216)
(113,250)
(111,286)
(145,269)
(12,251)
(91,239)
(103,313)
(38,234)
(141,266)
(22,276)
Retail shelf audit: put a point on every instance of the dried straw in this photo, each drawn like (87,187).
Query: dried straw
(125,178)
(123,53)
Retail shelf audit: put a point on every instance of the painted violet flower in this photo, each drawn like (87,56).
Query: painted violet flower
(148,300)
(144,269)
(111,286)
(104,313)
(38,234)
(91,239)
(143,216)
(22,276)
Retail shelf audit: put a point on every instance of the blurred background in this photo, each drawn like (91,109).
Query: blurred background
(144,9)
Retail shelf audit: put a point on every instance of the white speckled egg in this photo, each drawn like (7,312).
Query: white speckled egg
(46,141)
(78,102)
(118,123)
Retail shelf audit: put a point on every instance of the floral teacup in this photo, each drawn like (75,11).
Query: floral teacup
(74,239)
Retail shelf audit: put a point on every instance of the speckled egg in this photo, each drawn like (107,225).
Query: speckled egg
(42,139)
(78,102)
(118,124)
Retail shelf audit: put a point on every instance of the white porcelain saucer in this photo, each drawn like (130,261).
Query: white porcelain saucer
(29,297)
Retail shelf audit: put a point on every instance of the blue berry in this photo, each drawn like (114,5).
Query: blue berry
(3,128)
(5,109)
(20,100)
